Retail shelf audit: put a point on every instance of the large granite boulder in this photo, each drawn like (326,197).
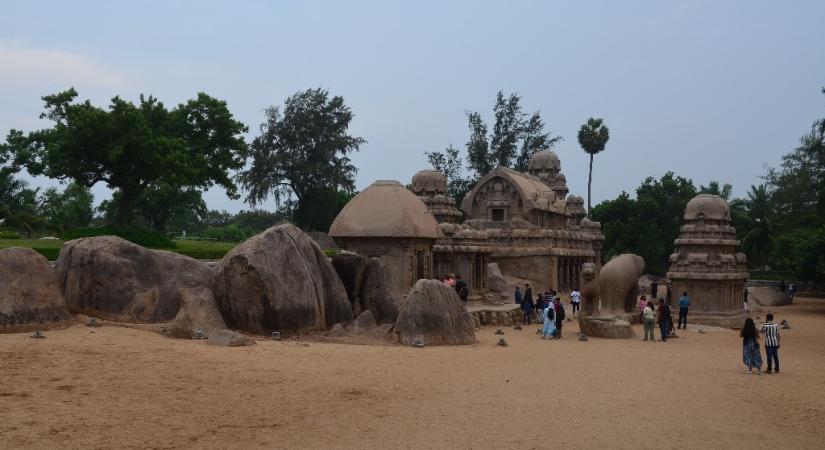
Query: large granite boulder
(434,313)
(112,278)
(351,268)
(279,280)
(368,284)
(29,294)
(377,293)
(767,296)
(198,311)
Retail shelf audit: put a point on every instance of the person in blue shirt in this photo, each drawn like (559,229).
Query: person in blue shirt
(518,295)
(684,304)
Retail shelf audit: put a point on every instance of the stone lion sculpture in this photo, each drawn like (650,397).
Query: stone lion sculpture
(589,289)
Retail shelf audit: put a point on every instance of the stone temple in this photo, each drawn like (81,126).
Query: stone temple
(707,264)
(524,222)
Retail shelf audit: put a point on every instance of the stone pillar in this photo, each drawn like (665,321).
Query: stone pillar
(565,274)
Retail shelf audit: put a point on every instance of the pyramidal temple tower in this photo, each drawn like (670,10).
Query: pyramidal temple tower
(708,265)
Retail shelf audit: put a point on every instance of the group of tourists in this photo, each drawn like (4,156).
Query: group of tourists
(658,312)
(751,355)
(455,282)
(547,308)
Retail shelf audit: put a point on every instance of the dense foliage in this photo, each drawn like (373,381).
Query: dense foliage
(132,147)
(648,224)
(515,137)
(302,157)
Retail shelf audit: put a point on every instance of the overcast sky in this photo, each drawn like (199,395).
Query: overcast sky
(707,89)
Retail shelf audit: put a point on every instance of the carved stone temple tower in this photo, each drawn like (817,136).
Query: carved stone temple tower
(707,264)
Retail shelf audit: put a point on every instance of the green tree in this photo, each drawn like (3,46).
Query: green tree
(716,188)
(451,165)
(18,203)
(649,224)
(131,147)
(304,154)
(593,137)
(514,139)
(68,209)
(159,205)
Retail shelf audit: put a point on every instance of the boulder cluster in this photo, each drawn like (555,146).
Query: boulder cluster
(279,280)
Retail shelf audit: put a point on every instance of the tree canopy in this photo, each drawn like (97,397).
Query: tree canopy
(515,137)
(648,224)
(302,154)
(131,147)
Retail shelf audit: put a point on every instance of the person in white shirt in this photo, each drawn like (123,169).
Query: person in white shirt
(575,300)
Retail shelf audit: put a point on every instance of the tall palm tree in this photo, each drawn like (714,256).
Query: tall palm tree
(593,136)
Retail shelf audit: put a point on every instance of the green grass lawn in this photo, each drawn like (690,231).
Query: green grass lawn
(48,248)
(203,249)
(196,249)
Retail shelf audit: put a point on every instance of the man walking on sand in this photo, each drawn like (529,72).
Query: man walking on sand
(771,332)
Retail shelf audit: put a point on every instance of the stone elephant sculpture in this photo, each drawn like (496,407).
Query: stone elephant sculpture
(615,285)
(618,283)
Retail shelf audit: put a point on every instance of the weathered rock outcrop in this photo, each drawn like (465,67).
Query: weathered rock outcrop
(29,294)
(368,286)
(198,311)
(434,313)
(112,278)
(364,322)
(351,268)
(279,280)
(767,296)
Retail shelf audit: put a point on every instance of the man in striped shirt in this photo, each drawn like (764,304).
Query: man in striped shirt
(771,332)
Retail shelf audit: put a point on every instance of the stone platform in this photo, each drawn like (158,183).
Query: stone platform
(494,315)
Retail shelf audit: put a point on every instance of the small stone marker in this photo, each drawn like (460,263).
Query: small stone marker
(418,343)
(93,322)
(276,335)
(539,331)
(38,335)
(502,342)
(517,327)
(498,331)
(199,334)
(701,331)
(582,338)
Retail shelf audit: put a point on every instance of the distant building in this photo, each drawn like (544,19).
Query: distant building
(523,221)
(708,265)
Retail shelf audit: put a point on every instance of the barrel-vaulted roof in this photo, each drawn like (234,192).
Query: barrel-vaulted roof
(534,193)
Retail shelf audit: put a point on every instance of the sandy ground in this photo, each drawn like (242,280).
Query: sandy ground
(122,388)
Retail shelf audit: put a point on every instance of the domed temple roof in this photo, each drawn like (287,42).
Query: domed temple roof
(385,209)
(429,181)
(711,207)
(544,159)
